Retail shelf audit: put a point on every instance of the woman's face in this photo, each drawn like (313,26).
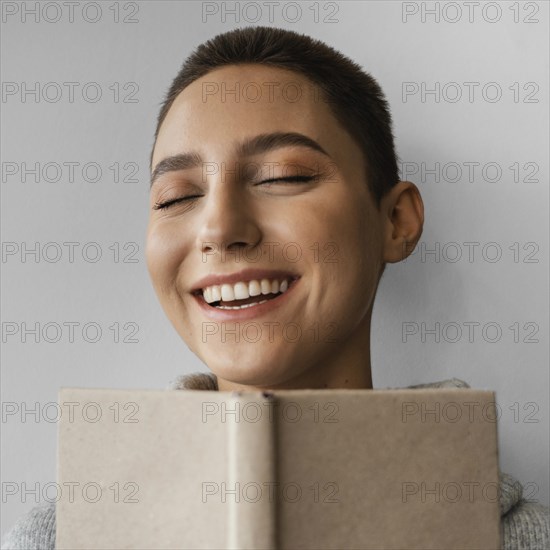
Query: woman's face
(323,235)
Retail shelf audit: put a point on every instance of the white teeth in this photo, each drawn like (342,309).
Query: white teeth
(215,293)
(228,294)
(243,290)
(266,286)
(254,288)
(243,306)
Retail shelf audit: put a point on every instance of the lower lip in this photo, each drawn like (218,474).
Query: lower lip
(248,312)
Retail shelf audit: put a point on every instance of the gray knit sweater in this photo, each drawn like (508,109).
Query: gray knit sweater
(525,525)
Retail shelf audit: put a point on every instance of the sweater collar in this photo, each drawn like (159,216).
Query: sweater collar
(208,381)
(510,489)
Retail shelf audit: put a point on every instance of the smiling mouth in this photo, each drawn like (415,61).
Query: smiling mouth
(244,303)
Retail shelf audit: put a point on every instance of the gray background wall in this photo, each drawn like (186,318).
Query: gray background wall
(502,205)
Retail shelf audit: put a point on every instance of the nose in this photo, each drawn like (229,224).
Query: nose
(228,223)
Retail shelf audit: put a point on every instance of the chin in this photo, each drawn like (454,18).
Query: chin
(250,372)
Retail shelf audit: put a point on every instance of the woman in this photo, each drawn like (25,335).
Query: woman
(275,203)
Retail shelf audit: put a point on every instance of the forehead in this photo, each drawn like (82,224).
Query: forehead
(236,102)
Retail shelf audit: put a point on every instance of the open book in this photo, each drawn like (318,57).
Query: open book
(289,469)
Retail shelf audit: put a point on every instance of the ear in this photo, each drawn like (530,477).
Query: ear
(403,222)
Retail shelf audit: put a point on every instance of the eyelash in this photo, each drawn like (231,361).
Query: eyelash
(168,204)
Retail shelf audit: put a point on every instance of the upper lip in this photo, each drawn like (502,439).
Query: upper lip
(245,275)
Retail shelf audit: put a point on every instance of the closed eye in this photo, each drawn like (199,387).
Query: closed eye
(167,204)
(290,179)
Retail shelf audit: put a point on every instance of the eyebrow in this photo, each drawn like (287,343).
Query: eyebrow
(251,146)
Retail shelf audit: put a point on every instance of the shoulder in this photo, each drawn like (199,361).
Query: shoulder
(34,530)
(526,526)
(195,381)
(447,383)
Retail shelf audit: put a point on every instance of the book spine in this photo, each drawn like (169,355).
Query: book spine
(252,519)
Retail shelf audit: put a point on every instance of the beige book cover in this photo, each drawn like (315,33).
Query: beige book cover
(289,469)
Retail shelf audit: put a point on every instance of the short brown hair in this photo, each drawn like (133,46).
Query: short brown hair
(354,96)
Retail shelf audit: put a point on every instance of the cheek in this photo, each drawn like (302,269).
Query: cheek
(348,224)
(163,255)
(352,227)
